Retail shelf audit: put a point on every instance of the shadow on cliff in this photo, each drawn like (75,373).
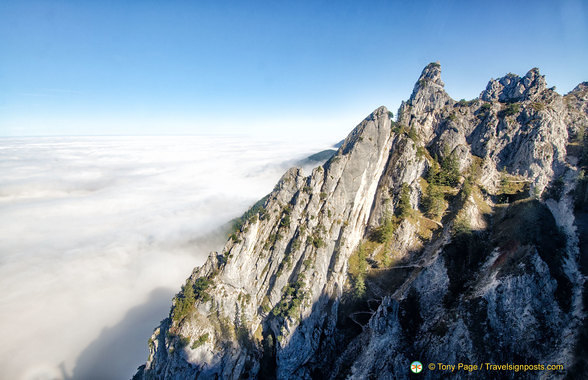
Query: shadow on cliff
(119,350)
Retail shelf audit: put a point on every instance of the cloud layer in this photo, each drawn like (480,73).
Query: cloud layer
(91,227)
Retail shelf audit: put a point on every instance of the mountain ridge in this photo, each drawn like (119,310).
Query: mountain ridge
(409,230)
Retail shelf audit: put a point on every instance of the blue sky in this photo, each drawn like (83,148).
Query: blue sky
(249,67)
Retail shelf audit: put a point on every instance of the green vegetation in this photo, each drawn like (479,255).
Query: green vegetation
(401,129)
(315,240)
(250,216)
(200,286)
(295,245)
(581,191)
(404,209)
(509,184)
(183,342)
(398,128)
(390,115)
(271,240)
(555,189)
(384,233)
(285,222)
(510,110)
(434,202)
(484,110)
(467,188)
(538,106)
(413,135)
(286,263)
(185,300)
(200,341)
(359,287)
(323,195)
(445,173)
(358,266)
(452,117)
(292,298)
(265,305)
(461,225)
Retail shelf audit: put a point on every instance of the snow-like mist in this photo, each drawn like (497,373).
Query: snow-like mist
(99,233)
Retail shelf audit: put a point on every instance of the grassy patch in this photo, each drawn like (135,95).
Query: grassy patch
(358,266)
(425,226)
(265,305)
(462,225)
(200,341)
(511,187)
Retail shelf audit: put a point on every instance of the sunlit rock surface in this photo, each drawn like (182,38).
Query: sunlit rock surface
(448,235)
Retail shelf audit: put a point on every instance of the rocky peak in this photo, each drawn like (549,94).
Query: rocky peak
(429,88)
(582,87)
(416,240)
(427,97)
(579,92)
(512,88)
(431,76)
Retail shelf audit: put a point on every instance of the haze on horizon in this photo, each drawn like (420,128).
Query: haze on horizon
(279,68)
(102,231)
(99,233)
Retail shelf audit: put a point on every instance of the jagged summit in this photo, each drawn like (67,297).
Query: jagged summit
(429,82)
(512,88)
(430,76)
(415,241)
(580,87)
(428,93)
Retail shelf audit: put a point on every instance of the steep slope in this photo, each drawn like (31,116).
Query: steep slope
(446,236)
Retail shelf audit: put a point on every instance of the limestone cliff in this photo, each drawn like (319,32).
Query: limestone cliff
(448,235)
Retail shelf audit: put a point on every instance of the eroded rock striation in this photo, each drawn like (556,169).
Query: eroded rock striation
(448,235)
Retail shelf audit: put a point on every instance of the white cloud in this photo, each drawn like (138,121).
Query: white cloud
(91,226)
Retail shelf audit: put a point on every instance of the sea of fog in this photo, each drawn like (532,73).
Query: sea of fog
(98,233)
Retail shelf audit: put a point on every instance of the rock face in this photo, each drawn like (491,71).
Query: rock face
(446,236)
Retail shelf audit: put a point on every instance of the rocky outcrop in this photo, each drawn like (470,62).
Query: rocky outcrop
(513,88)
(445,236)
